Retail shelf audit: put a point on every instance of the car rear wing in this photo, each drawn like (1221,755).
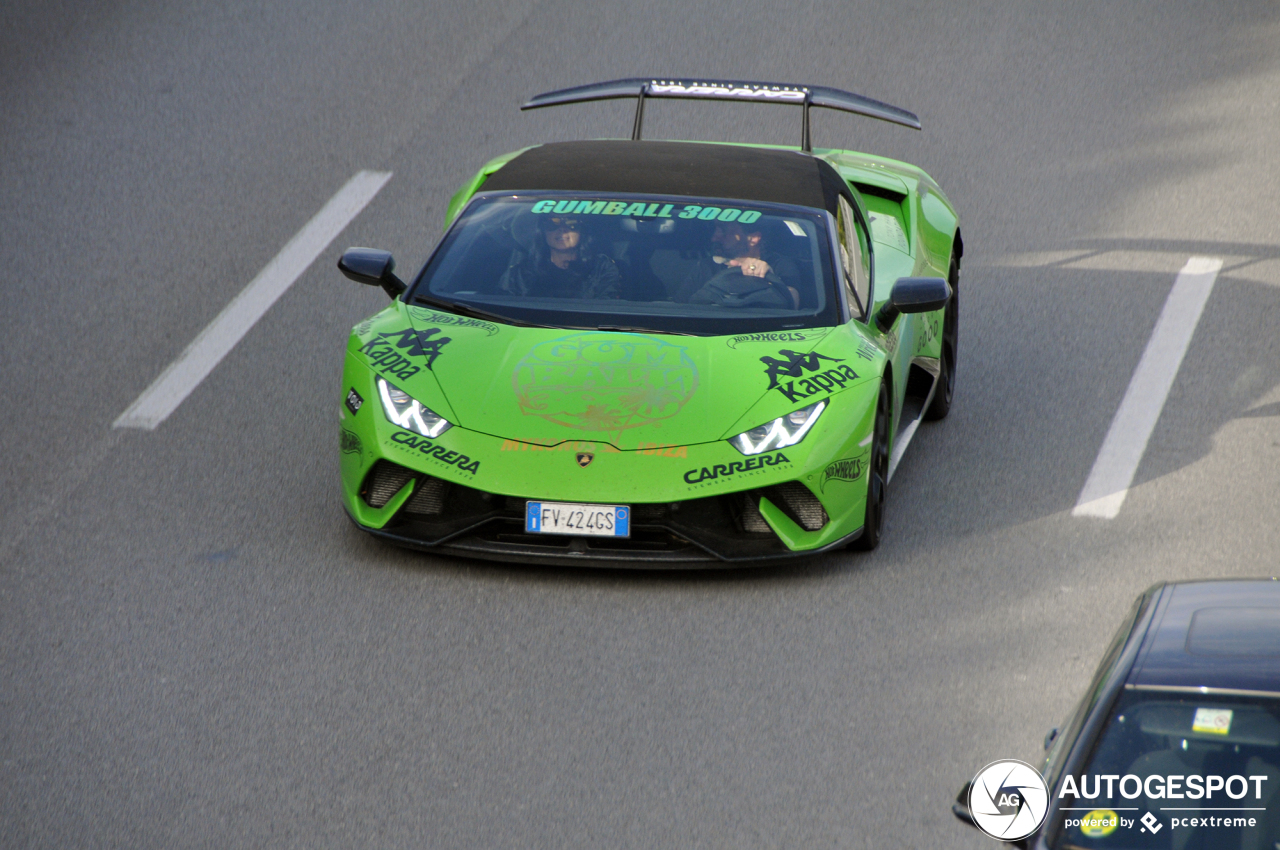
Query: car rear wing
(752,92)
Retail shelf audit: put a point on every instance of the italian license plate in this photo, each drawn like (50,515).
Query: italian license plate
(569,518)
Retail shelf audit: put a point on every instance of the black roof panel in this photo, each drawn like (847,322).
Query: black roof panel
(694,169)
(1215,634)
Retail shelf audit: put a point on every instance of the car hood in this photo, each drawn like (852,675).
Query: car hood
(632,390)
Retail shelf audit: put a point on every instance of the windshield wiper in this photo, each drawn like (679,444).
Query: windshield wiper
(630,330)
(474,312)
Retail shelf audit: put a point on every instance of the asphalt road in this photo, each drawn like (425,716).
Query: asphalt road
(198,650)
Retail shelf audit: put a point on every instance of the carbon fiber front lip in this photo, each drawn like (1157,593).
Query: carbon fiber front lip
(460,544)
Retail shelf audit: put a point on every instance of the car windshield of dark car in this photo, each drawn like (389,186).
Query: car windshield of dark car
(656,263)
(1178,771)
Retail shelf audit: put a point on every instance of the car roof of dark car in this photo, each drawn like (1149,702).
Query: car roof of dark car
(689,169)
(1221,635)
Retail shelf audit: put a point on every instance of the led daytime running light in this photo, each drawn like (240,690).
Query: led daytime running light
(780,433)
(409,413)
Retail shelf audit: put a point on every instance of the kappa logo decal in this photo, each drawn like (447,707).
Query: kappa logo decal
(390,352)
(795,365)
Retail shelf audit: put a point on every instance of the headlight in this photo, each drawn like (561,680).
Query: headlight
(780,433)
(407,412)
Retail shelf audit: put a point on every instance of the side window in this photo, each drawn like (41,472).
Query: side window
(854,255)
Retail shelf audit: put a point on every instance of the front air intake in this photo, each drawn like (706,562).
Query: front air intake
(383,482)
(799,503)
(752,520)
(427,498)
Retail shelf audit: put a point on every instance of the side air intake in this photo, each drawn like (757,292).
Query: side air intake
(799,503)
(383,482)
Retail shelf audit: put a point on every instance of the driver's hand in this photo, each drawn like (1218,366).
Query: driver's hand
(752,267)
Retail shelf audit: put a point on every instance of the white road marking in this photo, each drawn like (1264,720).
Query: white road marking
(221,335)
(1108,483)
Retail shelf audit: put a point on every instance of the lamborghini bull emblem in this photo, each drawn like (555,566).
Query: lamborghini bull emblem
(603,382)
(584,458)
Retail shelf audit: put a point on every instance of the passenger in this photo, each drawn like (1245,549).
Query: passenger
(737,274)
(561,264)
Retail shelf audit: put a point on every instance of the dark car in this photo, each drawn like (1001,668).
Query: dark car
(1176,743)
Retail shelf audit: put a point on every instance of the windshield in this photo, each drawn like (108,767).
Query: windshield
(1178,771)
(653,263)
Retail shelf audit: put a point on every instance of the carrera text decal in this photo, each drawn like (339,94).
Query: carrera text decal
(390,352)
(737,467)
(794,365)
(605,382)
(412,442)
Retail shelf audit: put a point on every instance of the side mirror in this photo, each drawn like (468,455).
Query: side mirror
(1051,737)
(372,267)
(960,808)
(913,295)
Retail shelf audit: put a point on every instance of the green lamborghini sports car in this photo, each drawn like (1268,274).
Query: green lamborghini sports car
(656,354)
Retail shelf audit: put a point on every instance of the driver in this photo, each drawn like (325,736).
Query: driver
(738,274)
(561,264)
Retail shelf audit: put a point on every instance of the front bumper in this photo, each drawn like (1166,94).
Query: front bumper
(703,505)
(726,531)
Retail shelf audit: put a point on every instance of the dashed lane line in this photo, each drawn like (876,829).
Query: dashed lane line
(1112,474)
(221,335)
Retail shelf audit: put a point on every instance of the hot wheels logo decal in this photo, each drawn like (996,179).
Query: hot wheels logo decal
(450,320)
(350,442)
(780,336)
(847,469)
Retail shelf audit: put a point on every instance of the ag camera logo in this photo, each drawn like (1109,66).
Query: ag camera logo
(1008,799)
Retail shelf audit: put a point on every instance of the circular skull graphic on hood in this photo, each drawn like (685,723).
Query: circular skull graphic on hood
(605,382)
